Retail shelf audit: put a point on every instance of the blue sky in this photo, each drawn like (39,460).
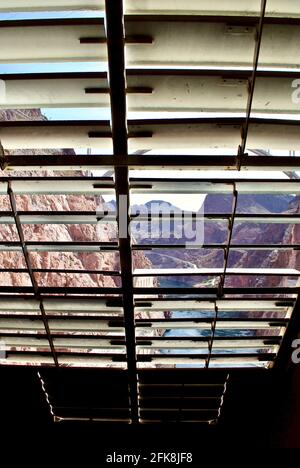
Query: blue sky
(60,114)
(50,14)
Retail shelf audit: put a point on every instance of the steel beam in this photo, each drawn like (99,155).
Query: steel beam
(116,65)
(30,272)
(155,161)
(252,81)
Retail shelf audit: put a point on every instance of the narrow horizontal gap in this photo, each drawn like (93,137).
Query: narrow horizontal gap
(132,39)
(132,90)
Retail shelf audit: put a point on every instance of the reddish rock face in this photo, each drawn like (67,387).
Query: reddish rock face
(243,233)
(54,232)
(58,260)
(108,261)
(22,114)
(72,233)
(214,233)
(273,233)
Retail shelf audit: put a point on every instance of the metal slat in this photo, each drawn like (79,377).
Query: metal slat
(215,271)
(223,186)
(150,247)
(174,42)
(113,305)
(55,134)
(224,305)
(54,92)
(67,272)
(14,359)
(194,357)
(211,133)
(46,40)
(200,341)
(61,324)
(190,345)
(118,338)
(59,90)
(222,324)
(210,94)
(221,362)
(62,246)
(104,320)
(87,343)
(68,334)
(57,304)
(270,320)
(64,217)
(275,8)
(264,218)
(155,161)
(267,218)
(116,356)
(52,185)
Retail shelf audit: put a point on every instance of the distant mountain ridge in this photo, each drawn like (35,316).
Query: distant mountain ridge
(216,232)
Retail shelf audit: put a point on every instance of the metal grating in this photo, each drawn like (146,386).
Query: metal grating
(165,105)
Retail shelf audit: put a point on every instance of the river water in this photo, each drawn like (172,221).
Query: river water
(197,332)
